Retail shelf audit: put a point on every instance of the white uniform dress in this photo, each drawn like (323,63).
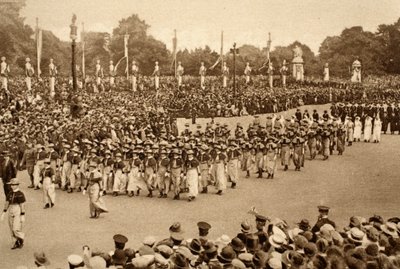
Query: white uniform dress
(367,129)
(357,129)
(376,136)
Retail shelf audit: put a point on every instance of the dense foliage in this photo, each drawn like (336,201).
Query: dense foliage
(379,52)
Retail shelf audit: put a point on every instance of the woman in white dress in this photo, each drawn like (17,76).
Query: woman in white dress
(376,135)
(357,129)
(367,129)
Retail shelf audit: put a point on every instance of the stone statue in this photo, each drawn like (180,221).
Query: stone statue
(298,52)
(356,66)
(298,68)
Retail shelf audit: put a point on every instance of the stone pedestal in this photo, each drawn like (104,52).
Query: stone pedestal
(298,69)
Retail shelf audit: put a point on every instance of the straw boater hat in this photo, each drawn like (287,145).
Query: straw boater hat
(390,228)
(41,259)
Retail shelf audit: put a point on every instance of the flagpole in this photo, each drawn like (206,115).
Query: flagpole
(37,48)
(268,45)
(126,49)
(83,52)
(222,51)
(176,45)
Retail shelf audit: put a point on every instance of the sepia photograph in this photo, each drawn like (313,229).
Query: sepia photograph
(204,134)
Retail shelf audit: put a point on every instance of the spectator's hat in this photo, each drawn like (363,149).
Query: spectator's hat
(304,224)
(390,228)
(120,241)
(238,264)
(276,240)
(195,246)
(227,255)
(238,245)
(179,261)
(41,259)
(204,227)
(245,227)
(323,209)
(75,261)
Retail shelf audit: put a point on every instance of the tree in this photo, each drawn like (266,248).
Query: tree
(143,48)
(341,51)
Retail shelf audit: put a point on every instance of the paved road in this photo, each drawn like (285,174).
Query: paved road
(363,181)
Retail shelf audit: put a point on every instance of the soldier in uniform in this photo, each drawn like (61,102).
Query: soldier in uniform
(202,74)
(112,74)
(260,225)
(135,73)
(52,73)
(322,219)
(29,72)
(225,74)
(29,159)
(179,72)
(247,72)
(156,74)
(4,71)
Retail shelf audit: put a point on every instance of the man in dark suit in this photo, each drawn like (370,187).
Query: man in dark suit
(7,171)
(322,219)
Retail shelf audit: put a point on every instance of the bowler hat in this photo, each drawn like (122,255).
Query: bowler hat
(227,255)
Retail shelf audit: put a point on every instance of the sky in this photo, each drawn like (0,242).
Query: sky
(200,22)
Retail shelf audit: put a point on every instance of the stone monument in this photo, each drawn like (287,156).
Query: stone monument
(356,67)
(298,64)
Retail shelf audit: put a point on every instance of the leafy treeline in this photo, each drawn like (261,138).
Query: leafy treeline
(379,52)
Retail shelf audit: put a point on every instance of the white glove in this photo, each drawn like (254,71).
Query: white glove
(22,218)
(84,192)
(2,216)
(101,193)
